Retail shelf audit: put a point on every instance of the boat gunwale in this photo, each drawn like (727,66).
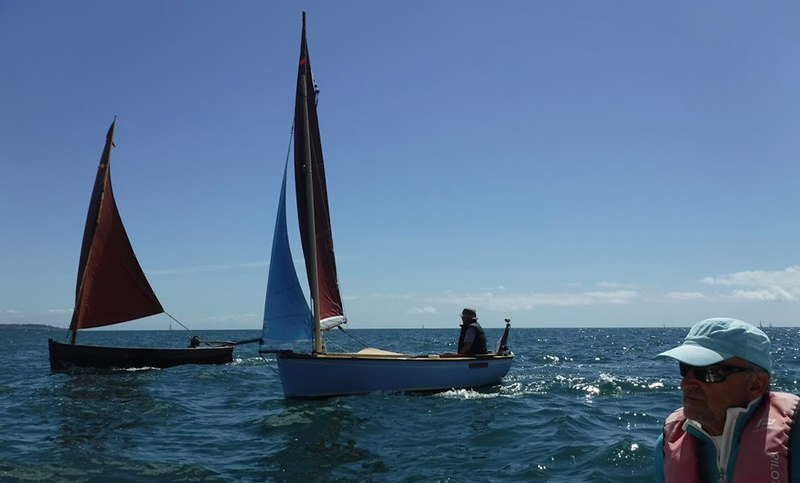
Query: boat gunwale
(128,348)
(288,354)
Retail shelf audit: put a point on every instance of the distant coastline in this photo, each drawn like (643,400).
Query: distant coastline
(26,327)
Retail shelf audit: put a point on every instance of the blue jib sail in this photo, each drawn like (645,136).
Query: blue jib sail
(286,312)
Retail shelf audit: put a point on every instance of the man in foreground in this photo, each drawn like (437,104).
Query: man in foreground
(731,428)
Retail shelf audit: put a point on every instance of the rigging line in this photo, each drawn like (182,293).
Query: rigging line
(357,339)
(329,343)
(176,320)
(288,152)
(268,364)
(289,148)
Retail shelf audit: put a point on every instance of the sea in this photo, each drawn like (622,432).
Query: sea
(578,405)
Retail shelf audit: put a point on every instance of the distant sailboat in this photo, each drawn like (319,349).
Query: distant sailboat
(287,316)
(112,288)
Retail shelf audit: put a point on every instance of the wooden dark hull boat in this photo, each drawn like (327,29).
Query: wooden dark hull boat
(112,288)
(65,356)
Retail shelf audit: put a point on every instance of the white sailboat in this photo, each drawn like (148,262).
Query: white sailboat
(287,315)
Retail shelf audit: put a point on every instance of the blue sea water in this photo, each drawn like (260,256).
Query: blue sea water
(579,405)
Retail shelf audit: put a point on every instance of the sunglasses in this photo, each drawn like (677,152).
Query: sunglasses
(715,373)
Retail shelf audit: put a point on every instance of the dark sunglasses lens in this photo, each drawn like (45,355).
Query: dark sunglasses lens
(703,374)
(710,373)
(716,374)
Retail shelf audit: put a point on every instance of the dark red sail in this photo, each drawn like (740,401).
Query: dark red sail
(112,287)
(330,300)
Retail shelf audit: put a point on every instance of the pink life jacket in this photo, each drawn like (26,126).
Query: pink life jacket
(763,445)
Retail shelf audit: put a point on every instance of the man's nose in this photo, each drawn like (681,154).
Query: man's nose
(689,380)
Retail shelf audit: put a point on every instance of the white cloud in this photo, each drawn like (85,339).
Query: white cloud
(528,300)
(746,286)
(489,289)
(753,296)
(59,311)
(422,310)
(505,301)
(8,315)
(761,285)
(685,296)
(394,296)
(605,284)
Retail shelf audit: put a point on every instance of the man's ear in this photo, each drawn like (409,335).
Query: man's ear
(758,384)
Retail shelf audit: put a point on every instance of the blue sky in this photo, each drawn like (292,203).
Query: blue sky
(560,163)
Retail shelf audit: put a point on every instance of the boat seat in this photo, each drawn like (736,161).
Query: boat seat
(371,351)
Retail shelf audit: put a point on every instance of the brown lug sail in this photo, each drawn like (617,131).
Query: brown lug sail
(112,287)
(330,299)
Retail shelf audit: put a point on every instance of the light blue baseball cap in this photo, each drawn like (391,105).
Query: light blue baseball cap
(717,339)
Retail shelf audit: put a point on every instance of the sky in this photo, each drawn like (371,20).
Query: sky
(563,164)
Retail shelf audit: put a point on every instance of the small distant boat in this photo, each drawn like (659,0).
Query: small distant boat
(287,315)
(112,289)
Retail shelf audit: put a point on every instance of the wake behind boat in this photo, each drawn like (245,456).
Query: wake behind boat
(287,315)
(112,289)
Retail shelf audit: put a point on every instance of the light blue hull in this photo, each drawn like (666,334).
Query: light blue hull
(305,375)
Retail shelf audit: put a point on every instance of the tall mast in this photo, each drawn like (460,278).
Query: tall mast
(98,192)
(112,287)
(312,242)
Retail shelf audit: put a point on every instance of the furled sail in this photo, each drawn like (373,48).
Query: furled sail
(330,299)
(286,312)
(111,287)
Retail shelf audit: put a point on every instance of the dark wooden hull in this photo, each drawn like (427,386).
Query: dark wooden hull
(65,356)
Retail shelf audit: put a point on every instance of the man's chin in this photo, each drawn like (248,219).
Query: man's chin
(692,407)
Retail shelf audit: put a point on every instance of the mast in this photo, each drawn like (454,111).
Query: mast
(312,243)
(92,219)
(313,211)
